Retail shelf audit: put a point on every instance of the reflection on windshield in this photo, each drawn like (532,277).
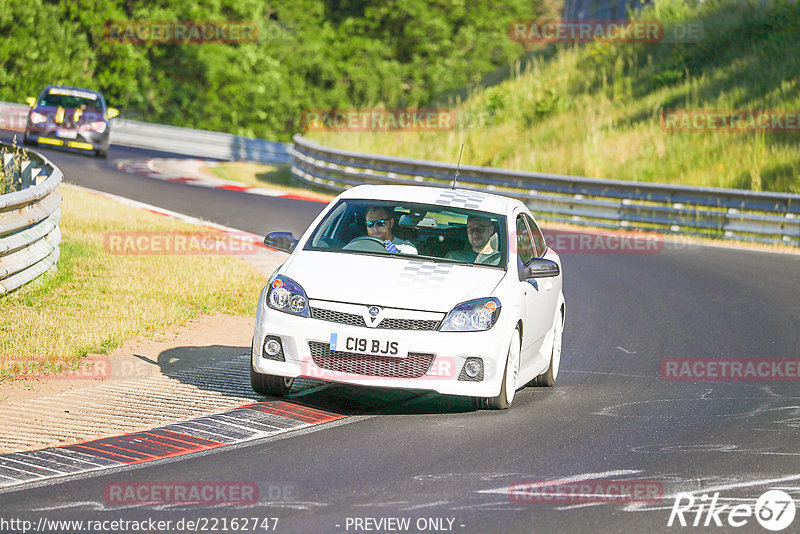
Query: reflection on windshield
(70,102)
(428,231)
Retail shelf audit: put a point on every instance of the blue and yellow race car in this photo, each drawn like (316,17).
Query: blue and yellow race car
(69,117)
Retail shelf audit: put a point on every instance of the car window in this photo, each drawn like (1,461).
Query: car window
(428,231)
(525,250)
(70,101)
(538,238)
(326,237)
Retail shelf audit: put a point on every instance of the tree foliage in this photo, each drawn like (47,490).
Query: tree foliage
(310,54)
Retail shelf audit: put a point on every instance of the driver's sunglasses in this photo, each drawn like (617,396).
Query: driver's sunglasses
(379,223)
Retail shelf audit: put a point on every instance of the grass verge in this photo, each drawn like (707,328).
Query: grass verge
(278,176)
(96,299)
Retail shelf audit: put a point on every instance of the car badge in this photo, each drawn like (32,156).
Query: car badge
(374,311)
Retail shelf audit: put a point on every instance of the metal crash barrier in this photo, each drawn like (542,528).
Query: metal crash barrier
(731,214)
(29,217)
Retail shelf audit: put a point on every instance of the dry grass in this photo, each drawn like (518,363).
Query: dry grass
(97,299)
(9,177)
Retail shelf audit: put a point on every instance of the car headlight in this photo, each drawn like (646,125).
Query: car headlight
(37,118)
(286,295)
(98,126)
(472,316)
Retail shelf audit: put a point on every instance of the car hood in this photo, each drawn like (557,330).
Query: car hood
(390,281)
(85,117)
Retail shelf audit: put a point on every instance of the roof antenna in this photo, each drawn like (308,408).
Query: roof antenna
(455,179)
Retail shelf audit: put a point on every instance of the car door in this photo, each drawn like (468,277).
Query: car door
(537,322)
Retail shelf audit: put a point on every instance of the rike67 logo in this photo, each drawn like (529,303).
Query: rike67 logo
(774,510)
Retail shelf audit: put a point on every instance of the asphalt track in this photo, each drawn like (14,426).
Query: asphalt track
(447,468)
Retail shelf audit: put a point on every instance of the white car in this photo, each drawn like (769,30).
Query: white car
(448,290)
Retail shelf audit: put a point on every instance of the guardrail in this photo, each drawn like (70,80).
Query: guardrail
(186,141)
(29,217)
(684,210)
(200,143)
(675,209)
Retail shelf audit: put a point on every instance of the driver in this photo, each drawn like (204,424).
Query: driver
(480,232)
(380,224)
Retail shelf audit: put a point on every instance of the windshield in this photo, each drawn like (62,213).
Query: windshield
(427,231)
(70,101)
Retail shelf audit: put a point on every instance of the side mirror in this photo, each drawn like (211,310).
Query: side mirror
(539,268)
(31,101)
(284,241)
(112,112)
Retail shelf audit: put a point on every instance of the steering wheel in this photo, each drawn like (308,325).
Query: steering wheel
(365,243)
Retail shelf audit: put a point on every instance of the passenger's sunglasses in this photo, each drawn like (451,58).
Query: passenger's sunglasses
(379,223)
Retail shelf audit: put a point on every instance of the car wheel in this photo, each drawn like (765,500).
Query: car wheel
(276,386)
(509,386)
(548,378)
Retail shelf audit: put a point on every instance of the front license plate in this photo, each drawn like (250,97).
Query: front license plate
(368,345)
(67,134)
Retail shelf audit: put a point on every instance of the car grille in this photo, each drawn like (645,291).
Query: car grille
(387,323)
(415,365)
(408,324)
(337,317)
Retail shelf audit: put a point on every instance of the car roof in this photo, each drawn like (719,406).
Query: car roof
(461,198)
(77,89)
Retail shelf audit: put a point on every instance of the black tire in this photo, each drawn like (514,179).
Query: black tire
(500,402)
(544,380)
(547,379)
(275,386)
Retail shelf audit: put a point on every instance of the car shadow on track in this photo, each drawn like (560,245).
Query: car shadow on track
(214,369)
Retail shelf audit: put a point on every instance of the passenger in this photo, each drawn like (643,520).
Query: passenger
(480,232)
(380,224)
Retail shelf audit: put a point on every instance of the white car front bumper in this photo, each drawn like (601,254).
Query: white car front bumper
(435,362)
